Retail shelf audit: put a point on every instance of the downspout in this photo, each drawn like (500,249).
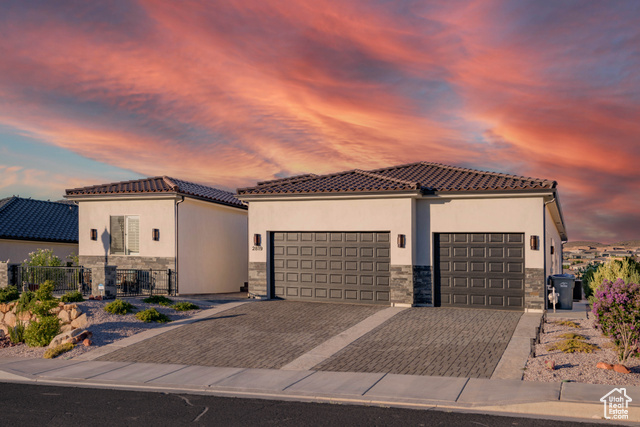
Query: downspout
(176,227)
(544,248)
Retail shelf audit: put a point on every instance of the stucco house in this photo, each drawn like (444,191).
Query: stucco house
(419,234)
(27,225)
(164,223)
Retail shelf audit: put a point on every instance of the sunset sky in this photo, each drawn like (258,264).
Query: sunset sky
(230,92)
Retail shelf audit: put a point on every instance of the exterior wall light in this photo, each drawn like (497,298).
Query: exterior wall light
(402,240)
(535,243)
(155,235)
(257,240)
(94,234)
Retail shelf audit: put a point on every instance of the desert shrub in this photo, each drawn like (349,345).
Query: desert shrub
(16,334)
(569,323)
(152,315)
(25,301)
(9,293)
(158,299)
(119,307)
(185,306)
(616,309)
(572,336)
(573,346)
(58,350)
(72,296)
(43,257)
(41,332)
(45,291)
(627,270)
(586,275)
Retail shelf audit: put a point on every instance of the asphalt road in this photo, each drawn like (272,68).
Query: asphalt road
(38,405)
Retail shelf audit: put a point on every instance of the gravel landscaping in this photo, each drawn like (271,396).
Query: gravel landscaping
(578,367)
(106,328)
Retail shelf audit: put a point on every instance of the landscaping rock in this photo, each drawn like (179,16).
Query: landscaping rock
(69,328)
(76,332)
(64,316)
(550,364)
(621,369)
(87,342)
(4,307)
(1,333)
(603,365)
(80,322)
(1,316)
(56,310)
(4,329)
(60,339)
(10,319)
(25,316)
(75,313)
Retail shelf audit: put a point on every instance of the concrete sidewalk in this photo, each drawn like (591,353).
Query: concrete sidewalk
(479,395)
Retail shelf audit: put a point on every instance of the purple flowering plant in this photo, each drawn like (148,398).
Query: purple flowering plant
(617,313)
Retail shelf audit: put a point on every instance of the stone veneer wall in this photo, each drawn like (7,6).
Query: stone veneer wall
(132,262)
(401,284)
(422,285)
(534,289)
(258,279)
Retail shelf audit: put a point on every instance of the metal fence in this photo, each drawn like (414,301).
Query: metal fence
(65,279)
(146,282)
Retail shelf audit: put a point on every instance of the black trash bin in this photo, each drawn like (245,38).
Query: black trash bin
(564,284)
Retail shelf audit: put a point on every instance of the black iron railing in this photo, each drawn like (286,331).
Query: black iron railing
(131,282)
(65,279)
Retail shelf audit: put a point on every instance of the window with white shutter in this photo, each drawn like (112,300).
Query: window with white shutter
(125,235)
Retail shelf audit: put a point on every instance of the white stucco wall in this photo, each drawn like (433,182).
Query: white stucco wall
(212,249)
(554,262)
(348,214)
(153,213)
(479,215)
(16,251)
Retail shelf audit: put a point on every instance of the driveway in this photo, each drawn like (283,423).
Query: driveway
(266,334)
(271,334)
(450,342)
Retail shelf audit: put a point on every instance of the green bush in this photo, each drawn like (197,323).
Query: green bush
(119,307)
(16,334)
(25,301)
(628,270)
(45,291)
(10,293)
(72,296)
(42,257)
(41,332)
(158,299)
(185,306)
(152,315)
(58,350)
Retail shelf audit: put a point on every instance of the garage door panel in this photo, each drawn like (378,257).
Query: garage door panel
(336,266)
(489,273)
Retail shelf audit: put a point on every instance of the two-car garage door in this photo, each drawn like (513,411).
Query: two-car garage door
(351,267)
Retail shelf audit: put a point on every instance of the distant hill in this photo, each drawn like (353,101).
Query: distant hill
(581,243)
(627,243)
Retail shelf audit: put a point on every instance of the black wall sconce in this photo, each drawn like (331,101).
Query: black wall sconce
(402,240)
(257,240)
(553,249)
(535,243)
(155,234)
(94,234)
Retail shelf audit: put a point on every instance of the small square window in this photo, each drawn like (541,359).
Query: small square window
(94,234)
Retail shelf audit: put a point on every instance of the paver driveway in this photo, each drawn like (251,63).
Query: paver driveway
(431,341)
(266,334)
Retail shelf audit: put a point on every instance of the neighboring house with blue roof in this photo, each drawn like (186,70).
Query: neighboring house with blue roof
(27,225)
(163,223)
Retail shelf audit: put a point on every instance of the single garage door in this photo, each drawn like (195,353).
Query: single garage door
(480,270)
(351,267)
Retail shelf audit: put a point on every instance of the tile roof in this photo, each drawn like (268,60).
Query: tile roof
(39,220)
(160,184)
(422,176)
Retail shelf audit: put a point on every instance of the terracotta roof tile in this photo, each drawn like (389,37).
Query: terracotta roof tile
(160,184)
(423,176)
